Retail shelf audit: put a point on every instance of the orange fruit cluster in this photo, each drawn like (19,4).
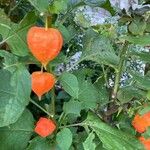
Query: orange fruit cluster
(45,45)
(145,142)
(141,123)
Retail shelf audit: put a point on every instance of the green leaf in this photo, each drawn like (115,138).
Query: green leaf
(144,110)
(144,56)
(16,34)
(40,5)
(99,49)
(88,94)
(70,84)
(64,139)
(14,95)
(5,24)
(82,73)
(72,107)
(39,143)
(67,32)
(88,143)
(95,2)
(10,61)
(148,25)
(59,6)
(127,93)
(141,81)
(108,6)
(137,26)
(148,95)
(146,134)
(79,138)
(140,40)
(112,138)
(17,135)
(28,20)
(102,91)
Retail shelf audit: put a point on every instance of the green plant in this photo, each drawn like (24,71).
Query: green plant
(88,100)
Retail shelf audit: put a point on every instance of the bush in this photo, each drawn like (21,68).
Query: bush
(78,80)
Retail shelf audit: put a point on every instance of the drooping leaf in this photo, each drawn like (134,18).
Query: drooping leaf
(88,143)
(88,94)
(148,25)
(79,138)
(126,94)
(59,6)
(64,139)
(67,32)
(99,49)
(137,26)
(70,84)
(146,134)
(141,81)
(15,35)
(15,92)
(72,107)
(95,2)
(39,143)
(144,56)
(40,5)
(10,61)
(143,40)
(16,136)
(5,24)
(144,110)
(102,91)
(111,137)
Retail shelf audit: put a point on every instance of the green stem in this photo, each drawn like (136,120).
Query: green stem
(105,76)
(13,8)
(52,108)
(46,23)
(61,118)
(52,104)
(41,108)
(72,125)
(119,70)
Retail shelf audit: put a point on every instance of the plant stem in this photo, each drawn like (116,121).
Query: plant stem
(13,8)
(46,23)
(33,102)
(105,76)
(53,96)
(52,104)
(61,118)
(72,125)
(119,70)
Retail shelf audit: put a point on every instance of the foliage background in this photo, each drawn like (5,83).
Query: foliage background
(103,73)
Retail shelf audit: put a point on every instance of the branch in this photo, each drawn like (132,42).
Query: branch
(119,70)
